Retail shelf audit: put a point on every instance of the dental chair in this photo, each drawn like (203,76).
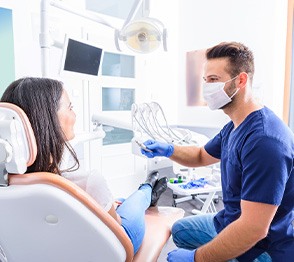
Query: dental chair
(46,218)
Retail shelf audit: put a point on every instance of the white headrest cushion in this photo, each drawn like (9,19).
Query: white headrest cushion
(16,130)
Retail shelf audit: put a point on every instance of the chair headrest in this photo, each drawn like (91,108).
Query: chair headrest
(18,147)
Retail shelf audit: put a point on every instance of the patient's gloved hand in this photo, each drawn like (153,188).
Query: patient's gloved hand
(181,255)
(158,149)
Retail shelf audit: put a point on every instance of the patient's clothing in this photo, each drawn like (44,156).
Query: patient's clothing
(257,165)
(94,184)
(131,211)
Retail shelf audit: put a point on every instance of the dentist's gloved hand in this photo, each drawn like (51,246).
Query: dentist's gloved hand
(158,149)
(181,255)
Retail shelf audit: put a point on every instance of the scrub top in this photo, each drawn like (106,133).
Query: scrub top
(257,165)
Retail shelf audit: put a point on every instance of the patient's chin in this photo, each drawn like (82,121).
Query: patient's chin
(70,137)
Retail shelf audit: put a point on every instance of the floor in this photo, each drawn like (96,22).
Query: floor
(167,200)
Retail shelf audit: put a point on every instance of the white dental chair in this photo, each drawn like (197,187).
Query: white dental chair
(46,218)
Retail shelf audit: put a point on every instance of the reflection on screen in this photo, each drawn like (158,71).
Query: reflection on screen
(82,58)
(117,99)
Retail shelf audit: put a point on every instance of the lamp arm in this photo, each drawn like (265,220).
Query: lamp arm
(83,14)
(133,12)
(146,8)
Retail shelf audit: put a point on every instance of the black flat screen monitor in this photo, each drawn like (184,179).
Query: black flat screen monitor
(81,58)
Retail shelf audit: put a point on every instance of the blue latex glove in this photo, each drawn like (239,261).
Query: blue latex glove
(181,255)
(158,149)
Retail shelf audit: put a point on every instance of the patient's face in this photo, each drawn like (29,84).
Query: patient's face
(66,116)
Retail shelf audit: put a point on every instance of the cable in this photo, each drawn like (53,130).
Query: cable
(148,121)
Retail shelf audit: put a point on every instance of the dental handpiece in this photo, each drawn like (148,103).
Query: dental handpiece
(143,146)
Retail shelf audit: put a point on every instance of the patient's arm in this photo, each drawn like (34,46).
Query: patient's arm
(113,213)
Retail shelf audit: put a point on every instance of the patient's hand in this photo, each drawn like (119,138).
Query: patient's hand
(116,204)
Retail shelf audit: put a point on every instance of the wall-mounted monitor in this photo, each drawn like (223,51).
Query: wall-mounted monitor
(80,58)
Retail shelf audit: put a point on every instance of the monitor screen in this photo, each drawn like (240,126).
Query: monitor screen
(81,57)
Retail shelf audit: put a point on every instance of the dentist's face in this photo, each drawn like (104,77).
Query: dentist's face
(66,116)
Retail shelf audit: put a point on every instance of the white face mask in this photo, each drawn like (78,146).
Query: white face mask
(215,95)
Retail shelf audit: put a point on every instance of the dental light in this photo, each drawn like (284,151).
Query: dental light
(142,35)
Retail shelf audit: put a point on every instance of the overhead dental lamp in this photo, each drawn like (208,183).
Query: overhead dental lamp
(143,35)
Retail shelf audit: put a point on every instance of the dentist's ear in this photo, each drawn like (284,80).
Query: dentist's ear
(243,80)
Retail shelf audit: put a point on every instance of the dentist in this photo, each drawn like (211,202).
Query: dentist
(256,151)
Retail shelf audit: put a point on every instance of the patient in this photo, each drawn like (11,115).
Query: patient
(51,114)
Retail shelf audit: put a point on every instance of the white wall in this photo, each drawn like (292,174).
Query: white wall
(196,24)
(259,24)
(162,68)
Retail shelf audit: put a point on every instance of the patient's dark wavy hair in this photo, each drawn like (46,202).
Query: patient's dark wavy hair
(39,98)
(240,57)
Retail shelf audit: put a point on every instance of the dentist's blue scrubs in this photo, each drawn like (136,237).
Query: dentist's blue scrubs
(257,161)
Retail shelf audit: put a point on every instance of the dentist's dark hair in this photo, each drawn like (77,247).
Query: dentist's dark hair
(240,57)
(39,98)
